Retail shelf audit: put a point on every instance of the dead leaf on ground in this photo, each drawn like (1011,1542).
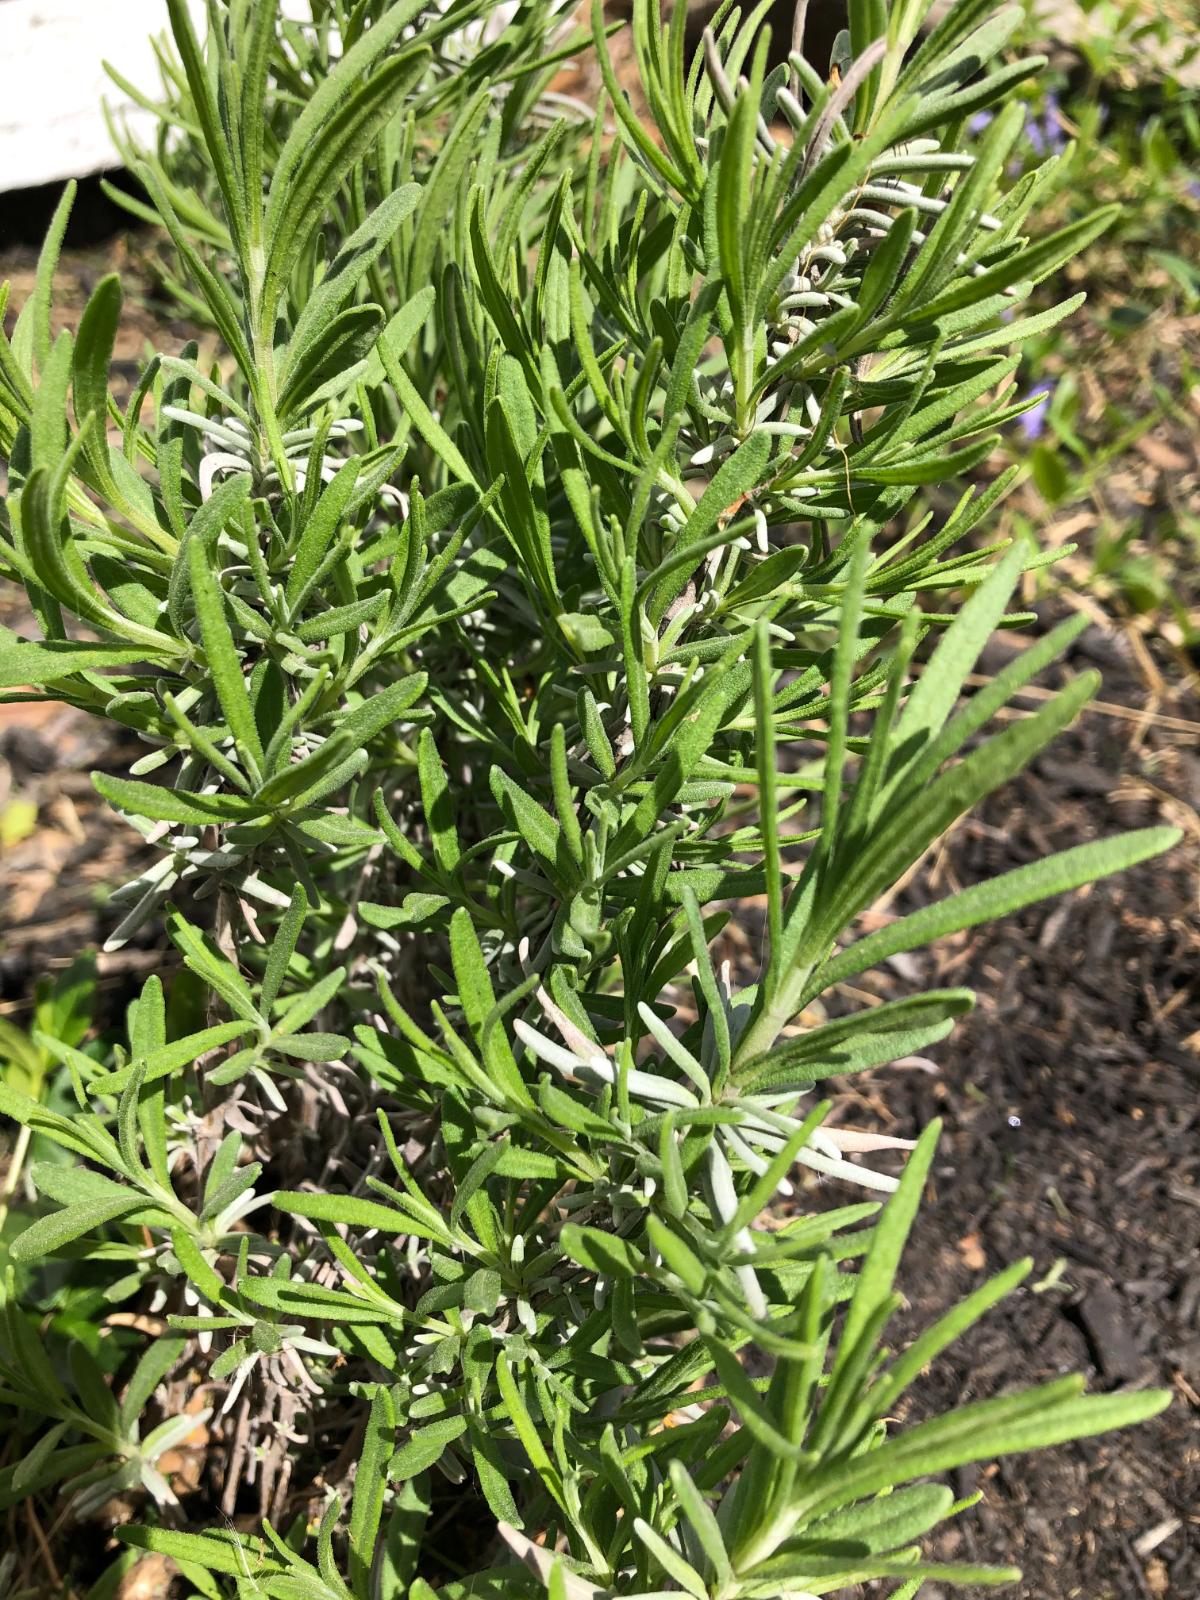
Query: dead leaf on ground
(148,1579)
(972,1252)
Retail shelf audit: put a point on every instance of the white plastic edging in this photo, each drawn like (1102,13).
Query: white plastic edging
(52,82)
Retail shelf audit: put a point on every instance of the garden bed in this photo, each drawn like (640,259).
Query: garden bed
(1073,1118)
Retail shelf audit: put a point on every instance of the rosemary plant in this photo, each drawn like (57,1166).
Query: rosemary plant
(530,583)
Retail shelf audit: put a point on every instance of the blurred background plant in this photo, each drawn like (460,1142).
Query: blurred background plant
(1112,450)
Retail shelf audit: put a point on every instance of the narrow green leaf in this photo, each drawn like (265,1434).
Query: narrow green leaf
(995,898)
(224,663)
(370,1484)
(478,1000)
(48,1234)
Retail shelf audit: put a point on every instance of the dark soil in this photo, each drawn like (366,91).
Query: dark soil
(1071,1101)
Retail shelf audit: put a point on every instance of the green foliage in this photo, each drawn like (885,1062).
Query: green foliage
(1123,110)
(516,601)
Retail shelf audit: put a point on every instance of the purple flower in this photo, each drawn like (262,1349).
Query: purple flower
(1044,132)
(1052,123)
(1033,421)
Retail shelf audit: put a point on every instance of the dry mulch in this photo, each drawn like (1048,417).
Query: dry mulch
(1071,1101)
